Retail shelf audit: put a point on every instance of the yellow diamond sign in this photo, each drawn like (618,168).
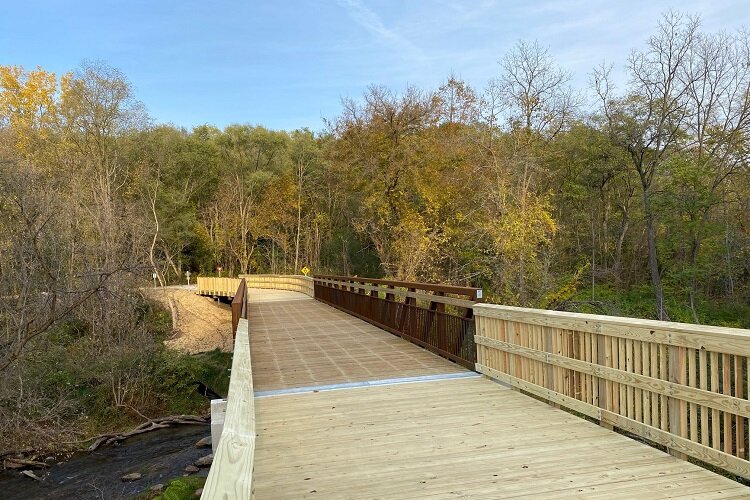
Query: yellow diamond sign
(305,270)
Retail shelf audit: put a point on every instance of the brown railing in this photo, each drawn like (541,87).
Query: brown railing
(239,305)
(436,317)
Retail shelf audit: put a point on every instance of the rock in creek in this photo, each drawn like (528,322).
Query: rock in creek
(204,443)
(204,461)
(191,468)
(133,476)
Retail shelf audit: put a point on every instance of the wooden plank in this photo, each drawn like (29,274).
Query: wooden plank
(646,370)
(533,450)
(680,444)
(739,383)
(638,392)
(711,338)
(622,366)
(726,387)
(677,412)
(548,394)
(674,390)
(703,369)
(715,422)
(663,399)
(231,473)
(654,362)
(629,392)
(692,371)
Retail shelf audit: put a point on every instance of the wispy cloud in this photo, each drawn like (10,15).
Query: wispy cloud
(369,20)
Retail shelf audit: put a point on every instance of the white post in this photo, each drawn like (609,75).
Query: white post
(218,411)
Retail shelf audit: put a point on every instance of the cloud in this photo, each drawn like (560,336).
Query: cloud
(370,21)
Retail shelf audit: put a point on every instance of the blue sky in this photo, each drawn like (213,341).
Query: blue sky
(288,64)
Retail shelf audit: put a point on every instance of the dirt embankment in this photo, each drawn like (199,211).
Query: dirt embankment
(200,323)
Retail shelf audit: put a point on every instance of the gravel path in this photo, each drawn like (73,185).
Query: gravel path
(200,323)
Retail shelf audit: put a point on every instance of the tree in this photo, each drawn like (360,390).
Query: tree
(688,93)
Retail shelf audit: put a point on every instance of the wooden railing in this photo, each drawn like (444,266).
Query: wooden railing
(436,317)
(294,283)
(231,474)
(217,287)
(681,386)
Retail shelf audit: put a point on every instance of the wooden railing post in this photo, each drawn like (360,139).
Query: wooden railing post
(677,408)
(603,358)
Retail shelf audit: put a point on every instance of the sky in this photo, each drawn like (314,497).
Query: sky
(288,64)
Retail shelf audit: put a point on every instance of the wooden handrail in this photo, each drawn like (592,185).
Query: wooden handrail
(681,386)
(231,473)
(289,282)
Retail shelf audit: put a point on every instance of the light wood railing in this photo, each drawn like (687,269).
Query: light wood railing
(231,474)
(218,287)
(681,386)
(294,283)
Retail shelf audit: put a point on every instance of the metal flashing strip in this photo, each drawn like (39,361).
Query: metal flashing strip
(367,383)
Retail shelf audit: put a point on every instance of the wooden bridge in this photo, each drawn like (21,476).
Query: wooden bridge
(557,405)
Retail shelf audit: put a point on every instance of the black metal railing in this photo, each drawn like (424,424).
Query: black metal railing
(436,317)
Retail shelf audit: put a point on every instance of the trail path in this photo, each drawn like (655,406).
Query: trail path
(200,323)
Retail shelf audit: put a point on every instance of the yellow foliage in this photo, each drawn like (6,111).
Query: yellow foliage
(29,103)
(523,229)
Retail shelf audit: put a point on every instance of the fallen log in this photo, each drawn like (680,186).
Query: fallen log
(151,425)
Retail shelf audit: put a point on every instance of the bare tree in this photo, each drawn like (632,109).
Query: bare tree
(648,121)
(536,93)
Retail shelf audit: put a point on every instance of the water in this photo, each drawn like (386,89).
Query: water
(159,456)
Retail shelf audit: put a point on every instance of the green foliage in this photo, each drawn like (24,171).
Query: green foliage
(177,489)
(558,297)
(637,302)
(98,389)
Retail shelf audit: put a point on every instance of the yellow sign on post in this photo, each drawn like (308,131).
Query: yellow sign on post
(305,270)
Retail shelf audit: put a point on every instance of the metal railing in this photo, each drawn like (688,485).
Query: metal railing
(438,318)
(239,305)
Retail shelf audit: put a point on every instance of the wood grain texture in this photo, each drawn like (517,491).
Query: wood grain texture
(217,287)
(455,439)
(231,474)
(684,380)
(672,442)
(674,390)
(292,283)
(711,338)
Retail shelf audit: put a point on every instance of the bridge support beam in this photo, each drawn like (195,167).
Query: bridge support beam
(218,412)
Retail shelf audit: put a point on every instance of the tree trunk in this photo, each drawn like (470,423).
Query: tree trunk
(653,258)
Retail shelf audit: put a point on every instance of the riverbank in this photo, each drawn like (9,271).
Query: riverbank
(158,456)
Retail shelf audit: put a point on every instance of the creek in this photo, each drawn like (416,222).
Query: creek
(159,456)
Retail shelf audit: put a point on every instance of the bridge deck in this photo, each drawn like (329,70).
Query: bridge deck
(447,438)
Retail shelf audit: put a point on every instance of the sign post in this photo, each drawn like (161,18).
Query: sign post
(154,276)
(219,269)
(187,275)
